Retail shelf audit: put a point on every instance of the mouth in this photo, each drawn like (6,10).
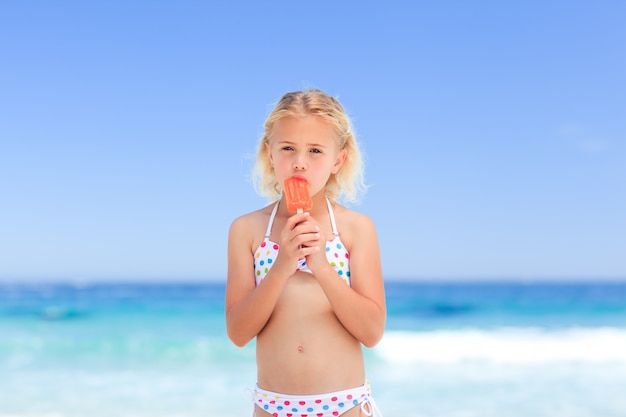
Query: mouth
(301,177)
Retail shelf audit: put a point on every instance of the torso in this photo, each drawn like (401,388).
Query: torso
(304,349)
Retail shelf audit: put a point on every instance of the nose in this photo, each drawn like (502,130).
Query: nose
(299,162)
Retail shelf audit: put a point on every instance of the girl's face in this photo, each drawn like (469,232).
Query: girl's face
(305,147)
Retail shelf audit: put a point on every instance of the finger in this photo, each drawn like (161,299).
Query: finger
(306,227)
(298,218)
(307,239)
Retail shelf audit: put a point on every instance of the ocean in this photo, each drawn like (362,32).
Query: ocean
(450,349)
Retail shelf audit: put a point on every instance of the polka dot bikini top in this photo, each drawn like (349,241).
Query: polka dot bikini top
(336,253)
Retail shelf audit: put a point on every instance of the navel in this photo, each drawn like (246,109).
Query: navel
(301,349)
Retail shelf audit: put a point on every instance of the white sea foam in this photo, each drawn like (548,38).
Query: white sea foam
(506,345)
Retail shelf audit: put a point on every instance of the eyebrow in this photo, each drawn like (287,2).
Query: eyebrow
(289,142)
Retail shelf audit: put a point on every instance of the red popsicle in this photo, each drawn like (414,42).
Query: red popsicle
(297,194)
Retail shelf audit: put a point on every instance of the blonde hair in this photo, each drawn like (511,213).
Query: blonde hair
(348,183)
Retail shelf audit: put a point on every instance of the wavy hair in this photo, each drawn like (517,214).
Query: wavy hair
(348,183)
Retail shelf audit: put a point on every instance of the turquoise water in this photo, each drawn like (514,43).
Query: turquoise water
(454,350)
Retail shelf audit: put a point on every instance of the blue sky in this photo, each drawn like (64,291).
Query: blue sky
(494,132)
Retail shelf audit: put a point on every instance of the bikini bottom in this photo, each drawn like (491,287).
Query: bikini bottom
(332,404)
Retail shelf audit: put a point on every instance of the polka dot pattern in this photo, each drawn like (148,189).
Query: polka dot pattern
(336,254)
(324,405)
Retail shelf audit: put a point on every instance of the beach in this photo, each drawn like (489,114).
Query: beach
(506,349)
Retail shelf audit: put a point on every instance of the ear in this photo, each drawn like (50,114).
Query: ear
(269,152)
(341,157)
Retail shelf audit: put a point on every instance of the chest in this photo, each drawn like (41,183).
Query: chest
(336,254)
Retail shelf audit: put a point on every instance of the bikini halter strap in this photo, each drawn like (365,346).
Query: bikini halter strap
(268,232)
(333,224)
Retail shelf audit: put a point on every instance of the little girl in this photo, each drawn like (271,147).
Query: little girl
(308,286)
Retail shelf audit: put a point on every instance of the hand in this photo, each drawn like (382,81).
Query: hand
(317,259)
(299,238)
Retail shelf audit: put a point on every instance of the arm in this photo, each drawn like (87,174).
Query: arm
(248,308)
(361,308)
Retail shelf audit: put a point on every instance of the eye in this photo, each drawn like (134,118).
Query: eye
(287,148)
(315,150)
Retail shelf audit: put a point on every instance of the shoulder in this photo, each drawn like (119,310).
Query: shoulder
(351,217)
(353,225)
(251,224)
